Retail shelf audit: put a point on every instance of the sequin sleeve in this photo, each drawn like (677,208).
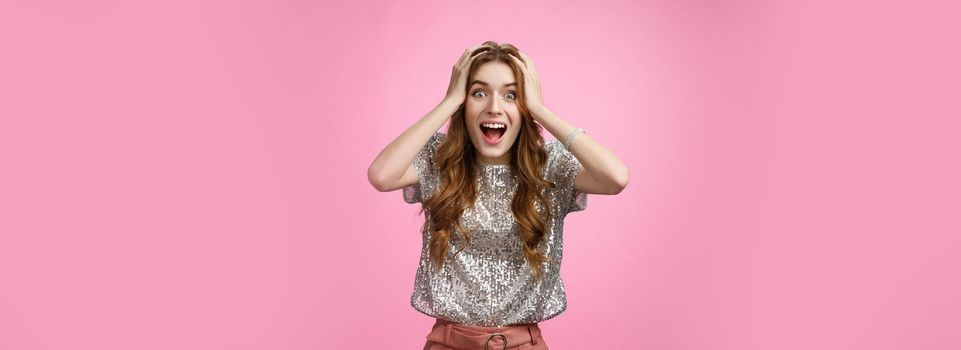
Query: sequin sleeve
(563,169)
(426,174)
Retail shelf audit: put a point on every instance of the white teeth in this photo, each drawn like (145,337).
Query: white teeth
(495,126)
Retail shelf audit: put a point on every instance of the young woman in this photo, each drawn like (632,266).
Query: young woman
(494,196)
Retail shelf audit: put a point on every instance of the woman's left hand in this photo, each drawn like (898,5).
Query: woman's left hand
(532,83)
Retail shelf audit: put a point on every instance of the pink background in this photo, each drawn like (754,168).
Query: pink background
(192,174)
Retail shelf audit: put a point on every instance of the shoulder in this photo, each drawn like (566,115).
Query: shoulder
(561,163)
(431,146)
(553,148)
(436,139)
(551,144)
(556,152)
(424,159)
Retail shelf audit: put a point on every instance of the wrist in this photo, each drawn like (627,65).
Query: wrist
(452,101)
(537,110)
(570,137)
(446,108)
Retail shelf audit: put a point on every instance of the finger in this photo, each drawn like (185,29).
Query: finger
(478,53)
(519,62)
(466,56)
(468,51)
(527,59)
(473,52)
(478,48)
(466,60)
(525,66)
(528,63)
(525,71)
(529,66)
(512,55)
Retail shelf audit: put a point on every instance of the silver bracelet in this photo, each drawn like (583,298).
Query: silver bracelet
(570,137)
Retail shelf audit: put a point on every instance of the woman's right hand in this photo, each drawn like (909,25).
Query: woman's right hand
(457,90)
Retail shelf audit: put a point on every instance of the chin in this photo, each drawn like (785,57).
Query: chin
(493,154)
(496,151)
(493,151)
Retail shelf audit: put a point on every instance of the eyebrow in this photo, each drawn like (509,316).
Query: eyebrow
(486,84)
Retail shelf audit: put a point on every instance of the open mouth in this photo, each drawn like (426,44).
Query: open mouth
(493,132)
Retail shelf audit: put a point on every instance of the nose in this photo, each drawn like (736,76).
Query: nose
(495,108)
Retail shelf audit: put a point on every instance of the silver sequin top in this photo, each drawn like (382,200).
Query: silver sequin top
(490,283)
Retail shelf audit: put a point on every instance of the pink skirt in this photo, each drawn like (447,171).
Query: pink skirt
(447,335)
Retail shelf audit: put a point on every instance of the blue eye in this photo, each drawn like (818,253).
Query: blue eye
(512,94)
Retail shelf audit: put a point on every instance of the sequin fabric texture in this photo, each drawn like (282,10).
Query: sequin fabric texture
(490,283)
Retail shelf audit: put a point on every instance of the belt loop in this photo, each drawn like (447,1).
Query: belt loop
(534,331)
(447,325)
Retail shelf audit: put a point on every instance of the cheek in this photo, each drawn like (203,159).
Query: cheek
(469,126)
(517,122)
(471,108)
(469,120)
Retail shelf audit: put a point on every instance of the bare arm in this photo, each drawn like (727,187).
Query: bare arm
(393,168)
(603,172)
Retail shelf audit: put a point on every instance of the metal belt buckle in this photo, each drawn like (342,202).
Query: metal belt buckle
(492,337)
